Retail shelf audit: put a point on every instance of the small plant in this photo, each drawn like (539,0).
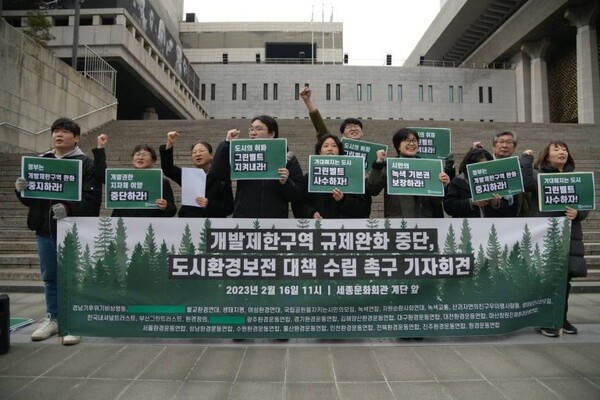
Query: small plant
(38,27)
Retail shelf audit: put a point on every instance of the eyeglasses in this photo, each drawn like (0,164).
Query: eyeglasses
(411,141)
(256,129)
(142,154)
(350,127)
(506,142)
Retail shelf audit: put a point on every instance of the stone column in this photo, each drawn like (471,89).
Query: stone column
(540,102)
(588,79)
(523,89)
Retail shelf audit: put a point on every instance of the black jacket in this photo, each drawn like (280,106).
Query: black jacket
(577,264)
(261,198)
(457,201)
(218,192)
(351,206)
(40,217)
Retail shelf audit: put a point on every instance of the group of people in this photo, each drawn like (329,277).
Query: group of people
(262,198)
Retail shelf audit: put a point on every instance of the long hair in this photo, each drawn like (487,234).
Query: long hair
(543,157)
(322,140)
(473,156)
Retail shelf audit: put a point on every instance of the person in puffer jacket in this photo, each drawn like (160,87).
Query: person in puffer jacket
(556,158)
(261,198)
(42,216)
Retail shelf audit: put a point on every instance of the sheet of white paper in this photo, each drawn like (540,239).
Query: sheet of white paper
(193,184)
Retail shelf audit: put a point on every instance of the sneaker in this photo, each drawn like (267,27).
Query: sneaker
(46,328)
(550,332)
(568,328)
(70,340)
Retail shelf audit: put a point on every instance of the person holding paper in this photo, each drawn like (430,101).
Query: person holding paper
(143,156)
(334,205)
(406,143)
(556,158)
(261,198)
(43,214)
(457,201)
(217,201)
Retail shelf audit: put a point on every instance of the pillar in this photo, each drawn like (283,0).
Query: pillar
(523,89)
(540,101)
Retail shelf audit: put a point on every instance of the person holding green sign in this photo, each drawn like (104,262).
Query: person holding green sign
(458,201)
(144,156)
(556,158)
(261,198)
(218,199)
(334,205)
(406,143)
(43,214)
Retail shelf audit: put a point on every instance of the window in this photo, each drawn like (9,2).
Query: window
(399,92)
(489,94)
(369,92)
(213,91)
(243,91)
(460,94)
(420,92)
(481,94)
(265,91)
(451,94)
(328,91)
(430,92)
(275,91)
(359,92)
(390,93)
(234,91)
(297,91)
(203,91)
(338,91)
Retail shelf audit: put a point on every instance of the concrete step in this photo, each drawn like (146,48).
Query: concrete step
(20,274)
(17,234)
(21,286)
(25,261)
(592,249)
(11,247)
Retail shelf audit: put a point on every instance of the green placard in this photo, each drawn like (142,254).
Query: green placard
(52,178)
(133,188)
(574,189)
(414,177)
(502,177)
(257,158)
(434,142)
(326,173)
(364,149)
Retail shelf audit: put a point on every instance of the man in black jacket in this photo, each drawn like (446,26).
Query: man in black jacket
(42,216)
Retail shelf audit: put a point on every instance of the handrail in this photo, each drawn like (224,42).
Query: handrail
(74,119)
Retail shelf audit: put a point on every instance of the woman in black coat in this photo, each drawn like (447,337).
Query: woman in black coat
(556,158)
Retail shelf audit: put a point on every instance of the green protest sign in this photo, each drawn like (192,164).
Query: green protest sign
(133,188)
(501,177)
(414,177)
(286,278)
(573,189)
(434,142)
(257,158)
(364,149)
(345,173)
(51,178)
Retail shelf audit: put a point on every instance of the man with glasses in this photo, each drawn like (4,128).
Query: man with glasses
(504,145)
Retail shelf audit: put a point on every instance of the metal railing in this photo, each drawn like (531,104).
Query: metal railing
(98,70)
(473,65)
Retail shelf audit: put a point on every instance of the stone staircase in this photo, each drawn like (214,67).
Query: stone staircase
(19,264)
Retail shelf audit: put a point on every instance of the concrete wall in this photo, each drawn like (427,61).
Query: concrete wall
(36,88)
(501,109)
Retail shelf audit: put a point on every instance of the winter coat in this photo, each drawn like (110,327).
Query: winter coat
(261,198)
(218,192)
(457,201)
(577,264)
(40,216)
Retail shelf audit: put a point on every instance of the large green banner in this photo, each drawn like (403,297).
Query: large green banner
(51,178)
(133,187)
(345,173)
(414,177)
(573,189)
(364,149)
(244,278)
(434,142)
(257,158)
(501,177)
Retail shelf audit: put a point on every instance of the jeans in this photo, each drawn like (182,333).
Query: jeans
(47,252)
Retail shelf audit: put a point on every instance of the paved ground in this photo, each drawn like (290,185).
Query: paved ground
(524,365)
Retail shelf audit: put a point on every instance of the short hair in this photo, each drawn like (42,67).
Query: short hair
(203,143)
(322,140)
(350,121)
(270,122)
(145,147)
(473,156)
(401,135)
(66,124)
(543,157)
(505,133)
